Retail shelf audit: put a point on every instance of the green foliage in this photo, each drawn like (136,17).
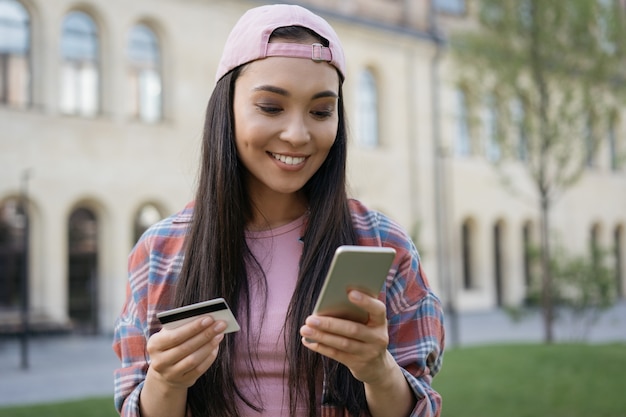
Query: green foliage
(583,287)
(559,380)
(562,62)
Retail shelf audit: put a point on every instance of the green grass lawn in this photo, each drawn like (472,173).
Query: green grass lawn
(90,407)
(561,380)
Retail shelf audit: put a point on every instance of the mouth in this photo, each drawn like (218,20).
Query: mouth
(289,160)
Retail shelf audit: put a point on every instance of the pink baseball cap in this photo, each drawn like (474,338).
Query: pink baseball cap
(249,39)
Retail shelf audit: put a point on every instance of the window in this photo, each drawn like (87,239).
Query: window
(367,110)
(590,146)
(467,254)
(490,124)
(613,151)
(527,254)
(15,74)
(13,241)
(79,71)
(463,141)
(498,262)
(594,243)
(83,269)
(146,216)
(518,116)
(144,74)
(606,22)
(618,247)
(450,6)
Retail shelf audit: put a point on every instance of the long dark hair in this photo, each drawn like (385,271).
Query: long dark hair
(216,257)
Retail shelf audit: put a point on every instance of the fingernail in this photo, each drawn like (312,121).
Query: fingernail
(306,331)
(313,321)
(220,326)
(355,295)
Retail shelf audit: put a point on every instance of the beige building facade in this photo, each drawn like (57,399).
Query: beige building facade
(101,115)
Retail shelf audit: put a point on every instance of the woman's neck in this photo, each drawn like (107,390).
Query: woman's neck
(270,213)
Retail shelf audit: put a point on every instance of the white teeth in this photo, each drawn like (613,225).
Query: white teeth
(289,160)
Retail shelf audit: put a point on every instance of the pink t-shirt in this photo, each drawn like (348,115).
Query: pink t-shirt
(278,252)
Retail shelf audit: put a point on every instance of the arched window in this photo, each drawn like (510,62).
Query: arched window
(146,216)
(144,58)
(595,242)
(606,9)
(79,72)
(490,124)
(467,245)
(367,110)
(590,140)
(518,116)
(463,146)
(14,54)
(82,269)
(13,240)
(456,7)
(613,148)
(618,247)
(527,242)
(498,261)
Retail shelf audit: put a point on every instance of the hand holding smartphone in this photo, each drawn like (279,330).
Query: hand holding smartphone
(216,308)
(362,268)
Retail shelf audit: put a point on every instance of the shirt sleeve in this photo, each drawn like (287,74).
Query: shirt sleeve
(414,313)
(153,268)
(130,340)
(416,333)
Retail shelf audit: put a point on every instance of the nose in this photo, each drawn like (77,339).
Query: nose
(296,131)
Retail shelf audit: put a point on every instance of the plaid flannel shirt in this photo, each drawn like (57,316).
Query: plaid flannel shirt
(414,313)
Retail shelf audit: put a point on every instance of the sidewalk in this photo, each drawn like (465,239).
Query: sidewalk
(73,367)
(60,368)
(497,327)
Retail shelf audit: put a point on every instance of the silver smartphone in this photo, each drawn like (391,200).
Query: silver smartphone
(362,268)
(216,308)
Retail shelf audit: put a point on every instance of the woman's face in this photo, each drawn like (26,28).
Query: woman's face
(286,119)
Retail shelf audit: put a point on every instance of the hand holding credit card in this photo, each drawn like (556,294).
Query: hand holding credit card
(216,308)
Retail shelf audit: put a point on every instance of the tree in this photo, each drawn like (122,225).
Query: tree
(583,287)
(556,67)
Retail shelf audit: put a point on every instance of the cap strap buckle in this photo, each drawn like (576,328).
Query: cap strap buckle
(316,52)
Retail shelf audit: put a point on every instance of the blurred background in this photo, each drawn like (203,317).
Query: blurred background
(491,130)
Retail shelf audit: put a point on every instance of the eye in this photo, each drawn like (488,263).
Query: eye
(269,109)
(323,113)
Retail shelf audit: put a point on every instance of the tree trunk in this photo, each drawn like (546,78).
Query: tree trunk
(546,273)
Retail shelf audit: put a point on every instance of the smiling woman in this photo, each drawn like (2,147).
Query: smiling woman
(270,209)
(295,124)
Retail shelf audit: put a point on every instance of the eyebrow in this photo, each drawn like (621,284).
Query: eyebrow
(283,92)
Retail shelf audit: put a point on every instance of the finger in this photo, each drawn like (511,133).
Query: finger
(200,359)
(173,337)
(191,337)
(211,336)
(205,364)
(332,325)
(374,307)
(332,331)
(184,359)
(339,355)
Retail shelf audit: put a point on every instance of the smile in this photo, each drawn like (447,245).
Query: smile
(289,160)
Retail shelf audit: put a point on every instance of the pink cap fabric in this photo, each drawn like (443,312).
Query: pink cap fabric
(249,39)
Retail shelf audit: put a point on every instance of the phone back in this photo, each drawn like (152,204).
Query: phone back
(363,268)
